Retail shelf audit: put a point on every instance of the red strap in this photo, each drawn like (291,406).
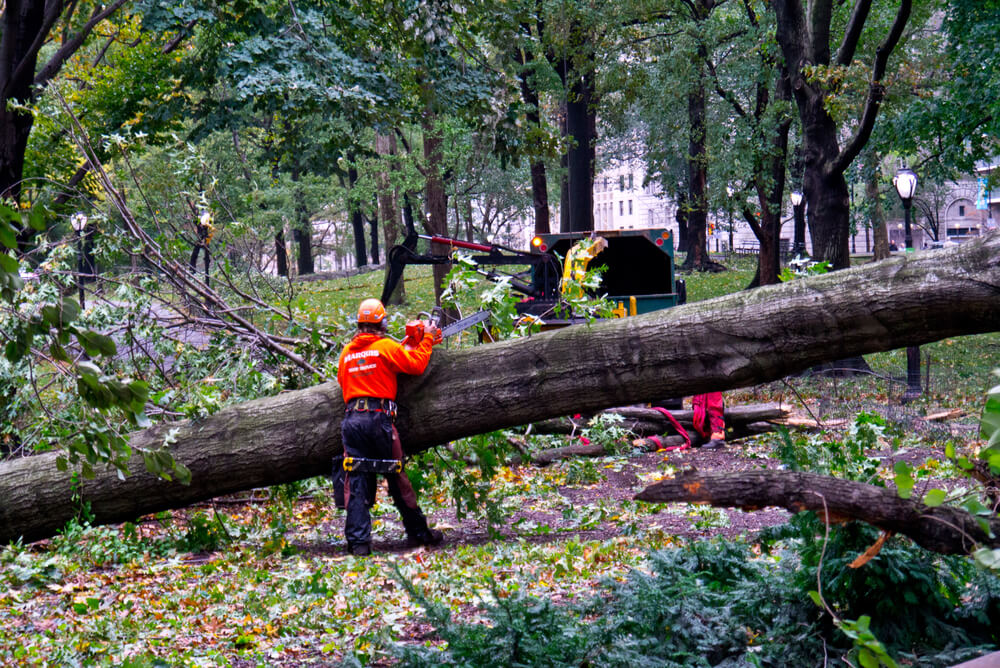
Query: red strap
(680,430)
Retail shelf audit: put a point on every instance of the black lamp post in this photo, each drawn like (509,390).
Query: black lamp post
(799,247)
(906,184)
(79,223)
(729,210)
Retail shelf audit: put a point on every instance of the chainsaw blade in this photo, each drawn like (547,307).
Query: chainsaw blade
(464,323)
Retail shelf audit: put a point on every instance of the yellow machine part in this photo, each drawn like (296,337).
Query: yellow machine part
(575,265)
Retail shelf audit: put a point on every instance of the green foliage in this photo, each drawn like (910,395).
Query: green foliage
(803,267)
(204,533)
(990,426)
(715,603)
(608,431)
(847,458)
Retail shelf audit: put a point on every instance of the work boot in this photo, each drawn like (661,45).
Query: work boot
(717,442)
(429,537)
(360,550)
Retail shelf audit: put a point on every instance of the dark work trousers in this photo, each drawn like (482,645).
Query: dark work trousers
(371,435)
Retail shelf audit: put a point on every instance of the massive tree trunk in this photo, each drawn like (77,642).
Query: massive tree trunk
(742,339)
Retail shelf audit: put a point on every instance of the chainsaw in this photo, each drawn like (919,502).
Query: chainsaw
(415,329)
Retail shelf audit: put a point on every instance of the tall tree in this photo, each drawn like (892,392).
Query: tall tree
(30,27)
(805,31)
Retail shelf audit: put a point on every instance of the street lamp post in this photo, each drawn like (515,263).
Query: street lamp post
(729,210)
(905,182)
(799,247)
(79,223)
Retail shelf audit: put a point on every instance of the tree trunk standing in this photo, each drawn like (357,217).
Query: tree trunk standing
(771,190)
(734,341)
(581,128)
(880,234)
(373,233)
(828,207)
(539,180)
(697,194)
(20,40)
(15,127)
(303,236)
(540,197)
(388,199)
(281,253)
(804,36)
(357,220)
(681,216)
(435,196)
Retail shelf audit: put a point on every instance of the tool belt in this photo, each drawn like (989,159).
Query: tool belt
(363,404)
(366,465)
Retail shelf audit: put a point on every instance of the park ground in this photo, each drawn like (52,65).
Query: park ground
(262,578)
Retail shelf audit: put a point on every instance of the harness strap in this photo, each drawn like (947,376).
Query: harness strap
(363,404)
(677,425)
(366,465)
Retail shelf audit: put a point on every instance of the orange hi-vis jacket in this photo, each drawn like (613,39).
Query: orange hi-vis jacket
(370,362)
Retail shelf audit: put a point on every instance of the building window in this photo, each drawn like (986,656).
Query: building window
(630,207)
(605,183)
(961,210)
(621,182)
(621,208)
(630,180)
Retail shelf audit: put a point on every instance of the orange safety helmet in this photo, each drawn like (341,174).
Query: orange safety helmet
(371,310)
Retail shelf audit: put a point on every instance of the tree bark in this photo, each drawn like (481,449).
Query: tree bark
(281,253)
(943,529)
(539,180)
(697,194)
(742,339)
(436,197)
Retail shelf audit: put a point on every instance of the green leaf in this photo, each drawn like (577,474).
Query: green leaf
(7,236)
(96,344)
(58,352)
(904,485)
(934,498)
(867,659)
(8,264)
(816,598)
(36,218)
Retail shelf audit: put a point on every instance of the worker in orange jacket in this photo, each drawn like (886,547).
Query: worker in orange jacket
(367,374)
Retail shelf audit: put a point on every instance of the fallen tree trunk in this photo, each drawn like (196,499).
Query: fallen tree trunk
(943,529)
(734,341)
(644,421)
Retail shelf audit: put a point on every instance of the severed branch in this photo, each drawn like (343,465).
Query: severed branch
(942,529)
(187,282)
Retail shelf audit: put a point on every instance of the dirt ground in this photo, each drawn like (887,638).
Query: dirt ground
(617,487)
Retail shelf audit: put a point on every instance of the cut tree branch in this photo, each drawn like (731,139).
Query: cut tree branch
(943,529)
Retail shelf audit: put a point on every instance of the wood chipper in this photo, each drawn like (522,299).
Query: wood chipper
(638,274)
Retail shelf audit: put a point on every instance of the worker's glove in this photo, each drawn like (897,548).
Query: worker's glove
(433,331)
